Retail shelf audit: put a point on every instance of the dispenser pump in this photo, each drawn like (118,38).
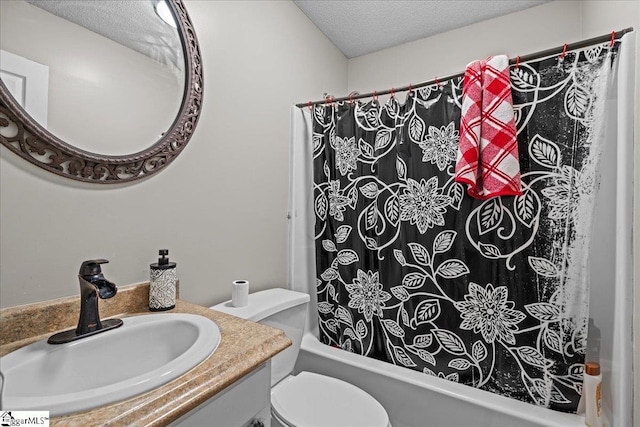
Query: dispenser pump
(163,261)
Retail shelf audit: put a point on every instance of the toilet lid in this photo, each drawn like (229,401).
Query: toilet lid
(313,400)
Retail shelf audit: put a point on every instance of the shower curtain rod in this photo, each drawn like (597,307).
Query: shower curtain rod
(549,52)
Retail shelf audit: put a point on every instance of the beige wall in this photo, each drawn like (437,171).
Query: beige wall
(220,207)
(521,33)
(94,81)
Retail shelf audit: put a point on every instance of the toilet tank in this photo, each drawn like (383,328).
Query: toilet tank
(279,308)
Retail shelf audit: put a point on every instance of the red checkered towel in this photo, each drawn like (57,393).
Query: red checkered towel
(488,149)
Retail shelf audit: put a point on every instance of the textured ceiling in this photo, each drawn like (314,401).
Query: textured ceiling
(358,27)
(132,23)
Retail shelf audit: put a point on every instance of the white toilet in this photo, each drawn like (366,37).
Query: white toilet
(307,399)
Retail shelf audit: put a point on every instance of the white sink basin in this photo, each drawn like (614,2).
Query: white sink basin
(144,353)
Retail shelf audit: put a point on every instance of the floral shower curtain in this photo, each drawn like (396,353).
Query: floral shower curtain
(412,271)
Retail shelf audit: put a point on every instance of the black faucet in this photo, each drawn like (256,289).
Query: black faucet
(92,285)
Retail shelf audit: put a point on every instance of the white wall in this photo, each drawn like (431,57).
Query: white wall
(220,207)
(520,33)
(539,28)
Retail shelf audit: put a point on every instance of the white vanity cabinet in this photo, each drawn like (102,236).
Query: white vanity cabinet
(245,403)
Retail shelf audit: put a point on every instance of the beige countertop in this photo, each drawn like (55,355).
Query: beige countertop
(244,346)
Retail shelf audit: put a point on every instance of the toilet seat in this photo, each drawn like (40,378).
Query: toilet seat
(312,400)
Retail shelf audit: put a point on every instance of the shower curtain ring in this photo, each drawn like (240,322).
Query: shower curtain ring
(613,39)
(375,97)
(517,62)
(564,52)
(437,82)
(329,100)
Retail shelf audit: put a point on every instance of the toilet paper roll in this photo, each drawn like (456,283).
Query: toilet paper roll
(240,293)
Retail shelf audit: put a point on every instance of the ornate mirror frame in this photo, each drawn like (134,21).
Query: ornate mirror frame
(37,145)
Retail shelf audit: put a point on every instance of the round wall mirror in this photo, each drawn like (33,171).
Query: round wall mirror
(102,91)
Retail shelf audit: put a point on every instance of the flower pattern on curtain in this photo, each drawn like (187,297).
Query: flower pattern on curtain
(413,271)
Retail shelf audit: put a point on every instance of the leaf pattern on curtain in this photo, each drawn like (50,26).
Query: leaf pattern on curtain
(412,271)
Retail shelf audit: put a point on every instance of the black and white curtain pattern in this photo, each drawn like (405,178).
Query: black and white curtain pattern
(413,271)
